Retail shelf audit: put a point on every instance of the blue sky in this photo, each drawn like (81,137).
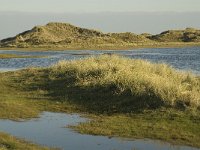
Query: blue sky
(99,5)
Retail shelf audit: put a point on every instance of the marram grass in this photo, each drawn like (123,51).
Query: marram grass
(138,83)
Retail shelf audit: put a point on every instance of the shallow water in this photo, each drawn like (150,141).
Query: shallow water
(181,58)
(49,130)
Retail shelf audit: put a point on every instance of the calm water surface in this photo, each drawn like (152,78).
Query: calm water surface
(181,58)
(50,130)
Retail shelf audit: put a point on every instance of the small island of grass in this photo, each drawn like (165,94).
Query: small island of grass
(123,97)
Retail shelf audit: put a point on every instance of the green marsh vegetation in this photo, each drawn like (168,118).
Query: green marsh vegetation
(123,97)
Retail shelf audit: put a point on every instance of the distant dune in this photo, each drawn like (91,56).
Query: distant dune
(64,35)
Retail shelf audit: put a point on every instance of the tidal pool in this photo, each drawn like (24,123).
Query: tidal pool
(49,130)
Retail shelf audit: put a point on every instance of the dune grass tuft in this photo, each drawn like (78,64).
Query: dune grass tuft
(138,83)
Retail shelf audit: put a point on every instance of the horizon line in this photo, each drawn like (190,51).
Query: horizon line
(93,12)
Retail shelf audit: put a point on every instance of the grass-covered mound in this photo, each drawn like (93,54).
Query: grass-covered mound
(104,84)
(187,35)
(113,83)
(57,35)
(64,35)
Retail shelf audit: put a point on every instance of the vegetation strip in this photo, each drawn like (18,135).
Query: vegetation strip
(8,56)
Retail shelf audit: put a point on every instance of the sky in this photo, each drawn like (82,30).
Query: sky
(138,16)
(99,5)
